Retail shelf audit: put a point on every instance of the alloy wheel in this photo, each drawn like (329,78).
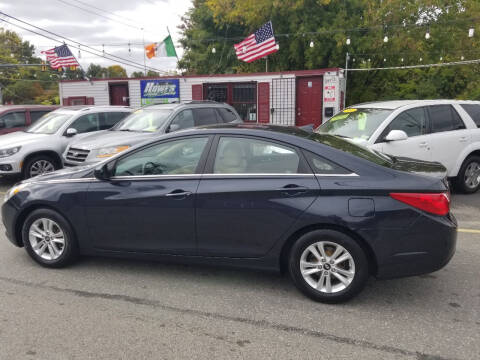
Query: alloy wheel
(46,238)
(327,267)
(472,175)
(41,167)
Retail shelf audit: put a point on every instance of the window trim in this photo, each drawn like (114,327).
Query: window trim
(111,165)
(303,167)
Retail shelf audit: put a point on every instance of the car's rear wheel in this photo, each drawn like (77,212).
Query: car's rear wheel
(49,239)
(38,165)
(468,178)
(328,266)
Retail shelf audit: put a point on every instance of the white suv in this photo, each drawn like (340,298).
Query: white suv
(446,131)
(38,149)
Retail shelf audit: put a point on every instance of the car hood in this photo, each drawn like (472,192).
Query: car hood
(420,167)
(20,138)
(107,138)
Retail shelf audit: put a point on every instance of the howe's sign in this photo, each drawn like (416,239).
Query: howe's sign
(160,91)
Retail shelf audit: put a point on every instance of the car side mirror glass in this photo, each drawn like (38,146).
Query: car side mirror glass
(396,135)
(173,127)
(101,172)
(71,132)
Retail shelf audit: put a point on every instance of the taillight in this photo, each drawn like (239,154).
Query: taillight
(438,204)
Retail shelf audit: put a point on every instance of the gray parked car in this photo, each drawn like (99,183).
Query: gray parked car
(38,149)
(144,124)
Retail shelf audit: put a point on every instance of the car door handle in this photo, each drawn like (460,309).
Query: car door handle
(423,144)
(179,193)
(293,189)
(463,139)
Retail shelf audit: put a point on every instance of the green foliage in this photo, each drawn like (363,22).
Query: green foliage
(448,22)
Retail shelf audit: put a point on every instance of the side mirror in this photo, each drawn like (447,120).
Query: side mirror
(71,132)
(101,172)
(396,135)
(173,127)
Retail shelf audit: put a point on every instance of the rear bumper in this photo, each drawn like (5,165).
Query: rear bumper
(428,246)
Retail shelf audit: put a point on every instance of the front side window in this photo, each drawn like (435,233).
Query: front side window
(144,120)
(177,157)
(355,123)
(50,123)
(184,120)
(252,156)
(413,122)
(12,120)
(444,118)
(87,123)
(205,116)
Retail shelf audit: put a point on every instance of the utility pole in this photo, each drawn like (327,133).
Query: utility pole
(347,57)
(1,96)
(144,55)
(266,63)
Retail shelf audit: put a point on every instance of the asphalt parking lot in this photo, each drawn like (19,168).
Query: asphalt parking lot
(123,309)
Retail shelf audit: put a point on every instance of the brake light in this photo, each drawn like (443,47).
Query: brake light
(438,204)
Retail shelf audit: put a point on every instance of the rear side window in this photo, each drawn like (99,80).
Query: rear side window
(444,118)
(473,111)
(321,165)
(227,115)
(111,118)
(35,115)
(12,120)
(205,116)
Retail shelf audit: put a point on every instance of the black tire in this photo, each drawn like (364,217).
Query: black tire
(27,166)
(361,272)
(70,248)
(460,181)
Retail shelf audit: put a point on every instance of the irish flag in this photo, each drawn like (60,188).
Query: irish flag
(163,49)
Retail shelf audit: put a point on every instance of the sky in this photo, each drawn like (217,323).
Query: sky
(113,23)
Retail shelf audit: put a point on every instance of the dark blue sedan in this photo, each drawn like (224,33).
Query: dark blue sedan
(328,211)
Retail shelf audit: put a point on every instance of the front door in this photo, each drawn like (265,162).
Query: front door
(253,192)
(309,101)
(148,205)
(119,94)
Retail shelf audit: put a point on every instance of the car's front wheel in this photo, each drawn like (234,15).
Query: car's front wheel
(328,266)
(39,165)
(468,178)
(49,239)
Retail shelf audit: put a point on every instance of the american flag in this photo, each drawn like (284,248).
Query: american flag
(60,56)
(259,44)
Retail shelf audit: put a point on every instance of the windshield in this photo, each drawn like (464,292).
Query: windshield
(144,120)
(49,123)
(355,123)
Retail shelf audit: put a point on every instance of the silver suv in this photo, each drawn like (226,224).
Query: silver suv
(38,149)
(145,123)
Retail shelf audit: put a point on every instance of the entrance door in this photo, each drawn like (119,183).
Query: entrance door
(119,94)
(309,101)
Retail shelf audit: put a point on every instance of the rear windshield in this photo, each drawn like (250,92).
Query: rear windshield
(354,149)
(353,123)
(144,120)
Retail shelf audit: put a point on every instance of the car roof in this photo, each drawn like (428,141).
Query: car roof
(21,107)
(193,103)
(90,108)
(395,104)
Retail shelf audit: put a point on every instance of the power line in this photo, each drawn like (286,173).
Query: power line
(105,11)
(135,64)
(453,63)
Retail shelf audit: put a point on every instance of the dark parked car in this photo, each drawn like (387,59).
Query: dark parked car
(328,211)
(18,117)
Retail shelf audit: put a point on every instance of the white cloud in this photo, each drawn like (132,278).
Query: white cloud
(56,16)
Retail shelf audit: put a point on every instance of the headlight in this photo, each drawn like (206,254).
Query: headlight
(110,151)
(9,152)
(13,191)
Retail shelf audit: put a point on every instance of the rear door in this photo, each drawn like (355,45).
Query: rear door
(414,122)
(448,137)
(252,192)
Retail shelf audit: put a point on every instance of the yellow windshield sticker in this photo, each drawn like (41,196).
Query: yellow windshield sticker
(362,121)
(339,117)
(349,110)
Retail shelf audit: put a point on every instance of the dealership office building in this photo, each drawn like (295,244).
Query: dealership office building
(284,98)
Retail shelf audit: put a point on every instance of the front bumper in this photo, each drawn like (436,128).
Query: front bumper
(69,163)
(9,217)
(11,165)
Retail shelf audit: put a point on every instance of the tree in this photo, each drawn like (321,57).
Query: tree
(116,71)
(95,71)
(221,23)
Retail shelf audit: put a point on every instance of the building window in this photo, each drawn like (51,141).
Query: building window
(217,92)
(245,101)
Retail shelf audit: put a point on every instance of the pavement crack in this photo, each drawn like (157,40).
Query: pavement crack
(264,324)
